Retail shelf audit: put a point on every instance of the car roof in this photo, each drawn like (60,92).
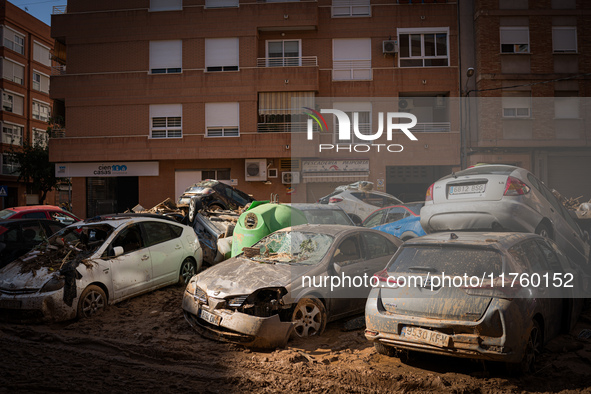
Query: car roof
(116,220)
(473,238)
(302,206)
(36,208)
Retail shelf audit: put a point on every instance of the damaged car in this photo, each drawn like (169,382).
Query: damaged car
(291,281)
(485,296)
(215,195)
(89,265)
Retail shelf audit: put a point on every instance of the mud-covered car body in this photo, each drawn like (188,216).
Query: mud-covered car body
(402,221)
(251,300)
(502,198)
(121,256)
(215,194)
(18,236)
(489,320)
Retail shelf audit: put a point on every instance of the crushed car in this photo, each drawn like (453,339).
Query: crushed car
(215,195)
(487,296)
(89,265)
(284,284)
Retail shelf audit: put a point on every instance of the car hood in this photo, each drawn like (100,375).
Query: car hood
(11,277)
(241,276)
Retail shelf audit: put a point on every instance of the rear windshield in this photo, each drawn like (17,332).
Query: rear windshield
(6,213)
(415,208)
(449,259)
(326,216)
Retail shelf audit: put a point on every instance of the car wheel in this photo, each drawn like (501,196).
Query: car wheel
(384,349)
(188,270)
(531,353)
(309,317)
(92,301)
(544,231)
(195,206)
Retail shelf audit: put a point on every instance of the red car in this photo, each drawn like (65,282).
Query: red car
(40,212)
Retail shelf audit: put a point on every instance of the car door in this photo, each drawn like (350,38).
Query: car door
(131,272)
(166,251)
(346,262)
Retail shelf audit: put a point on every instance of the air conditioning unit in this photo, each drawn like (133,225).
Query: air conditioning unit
(290,177)
(405,105)
(255,169)
(390,46)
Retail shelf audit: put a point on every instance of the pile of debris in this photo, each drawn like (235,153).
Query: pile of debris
(55,257)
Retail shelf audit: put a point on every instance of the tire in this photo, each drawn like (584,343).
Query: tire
(532,351)
(187,271)
(92,302)
(195,206)
(544,231)
(309,317)
(384,349)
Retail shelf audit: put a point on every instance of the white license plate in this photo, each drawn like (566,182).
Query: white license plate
(426,336)
(210,317)
(466,189)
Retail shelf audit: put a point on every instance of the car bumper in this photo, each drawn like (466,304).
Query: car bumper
(466,339)
(485,215)
(35,307)
(251,331)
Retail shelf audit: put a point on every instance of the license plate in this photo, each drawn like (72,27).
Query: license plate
(210,317)
(427,336)
(466,189)
(10,304)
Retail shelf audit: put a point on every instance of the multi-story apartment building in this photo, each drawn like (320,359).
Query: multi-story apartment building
(532,86)
(25,52)
(159,94)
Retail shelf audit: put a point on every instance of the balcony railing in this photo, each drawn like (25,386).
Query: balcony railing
(437,127)
(58,70)
(289,127)
(57,133)
(351,69)
(300,61)
(59,9)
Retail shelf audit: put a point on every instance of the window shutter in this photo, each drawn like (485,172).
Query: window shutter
(44,84)
(41,54)
(18,104)
(166,54)
(221,52)
(166,5)
(352,49)
(514,35)
(564,39)
(220,3)
(7,69)
(166,110)
(221,114)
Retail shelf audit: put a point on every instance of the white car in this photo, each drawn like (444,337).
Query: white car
(88,265)
(359,204)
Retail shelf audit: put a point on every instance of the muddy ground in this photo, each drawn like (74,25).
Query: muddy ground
(145,345)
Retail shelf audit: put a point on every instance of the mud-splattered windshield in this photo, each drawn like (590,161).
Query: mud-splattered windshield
(293,247)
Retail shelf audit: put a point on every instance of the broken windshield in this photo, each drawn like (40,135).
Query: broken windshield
(293,247)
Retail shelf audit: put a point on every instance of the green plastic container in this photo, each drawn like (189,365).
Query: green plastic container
(262,220)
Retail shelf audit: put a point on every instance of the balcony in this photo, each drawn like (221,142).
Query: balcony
(283,127)
(58,70)
(57,133)
(434,127)
(59,9)
(301,61)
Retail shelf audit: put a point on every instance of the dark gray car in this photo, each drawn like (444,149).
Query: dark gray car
(287,284)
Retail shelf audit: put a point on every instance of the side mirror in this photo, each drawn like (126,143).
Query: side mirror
(118,251)
(337,267)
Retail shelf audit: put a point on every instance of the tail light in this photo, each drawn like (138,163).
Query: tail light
(383,276)
(515,187)
(334,200)
(429,195)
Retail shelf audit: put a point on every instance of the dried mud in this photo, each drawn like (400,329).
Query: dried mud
(145,345)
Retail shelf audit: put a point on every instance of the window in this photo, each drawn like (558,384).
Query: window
(566,105)
(166,56)
(377,246)
(348,252)
(41,54)
(516,104)
(13,40)
(362,121)
(12,102)
(9,165)
(40,138)
(423,47)
(222,119)
(130,239)
(157,232)
(282,111)
(13,71)
(351,59)
(166,5)
(564,39)
(350,8)
(514,40)
(41,111)
(221,54)
(220,175)
(284,53)
(166,121)
(40,82)
(12,134)
(221,3)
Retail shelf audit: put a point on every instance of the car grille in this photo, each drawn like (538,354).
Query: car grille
(200,295)
(18,291)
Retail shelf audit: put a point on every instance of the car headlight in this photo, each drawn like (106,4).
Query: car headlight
(237,301)
(191,287)
(55,283)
